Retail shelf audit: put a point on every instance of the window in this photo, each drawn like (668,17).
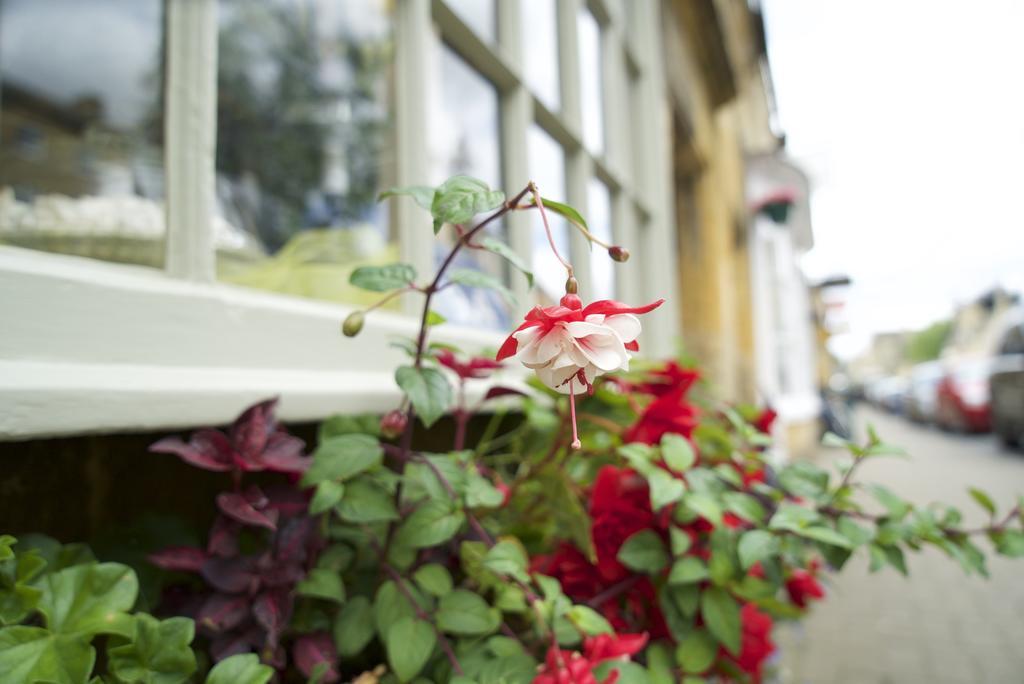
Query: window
(81,168)
(299,113)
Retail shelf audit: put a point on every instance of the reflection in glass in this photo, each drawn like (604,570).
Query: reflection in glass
(305,141)
(81,167)
(599,220)
(540,50)
(591,80)
(465,139)
(547,166)
(478,15)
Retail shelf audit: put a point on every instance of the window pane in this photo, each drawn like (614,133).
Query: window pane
(540,50)
(465,139)
(305,142)
(547,166)
(591,81)
(478,15)
(81,168)
(599,220)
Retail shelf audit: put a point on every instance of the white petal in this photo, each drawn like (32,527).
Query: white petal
(604,351)
(626,326)
(542,347)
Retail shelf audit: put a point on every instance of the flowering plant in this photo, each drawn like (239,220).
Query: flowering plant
(608,527)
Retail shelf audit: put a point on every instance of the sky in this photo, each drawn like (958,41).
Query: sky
(908,116)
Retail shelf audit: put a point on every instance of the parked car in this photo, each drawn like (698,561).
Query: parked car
(963,397)
(922,397)
(890,393)
(1007,385)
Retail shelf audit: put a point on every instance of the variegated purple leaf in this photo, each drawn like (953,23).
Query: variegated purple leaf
(234,643)
(207,460)
(181,558)
(294,539)
(283,454)
(223,540)
(223,612)
(311,650)
(272,610)
(243,508)
(250,431)
(231,575)
(287,500)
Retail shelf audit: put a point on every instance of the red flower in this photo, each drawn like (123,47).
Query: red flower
(669,413)
(579,578)
(668,378)
(570,667)
(802,587)
(620,506)
(765,420)
(476,368)
(757,642)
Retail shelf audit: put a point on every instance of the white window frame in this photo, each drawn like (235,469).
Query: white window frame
(95,347)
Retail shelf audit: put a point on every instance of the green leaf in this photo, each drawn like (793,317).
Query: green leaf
(323,584)
(465,613)
(481,492)
(383,278)
(756,546)
(473,278)
(434,579)
(897,507)
(242,668)
(855,533)
(644,552)
(679,541)
(628,672)
(665,489)
(705,505)
(409,643)
(365,502)
(391,605)
(6,542)
(460,198)
(342,457)
(434,318)
(158,653)
(328,493)
(353,627)
(91,599)
(722,616)
(501,249)
(792,517)
(563,210)
(688,570)
(431,524)
(696,652)
(589,621)
(983,500)
(826,535)
(804,479)
(640,457)
(1009,543)
(745,506)
(677,452)
(422,194)
(428,390)
(508,558)
(33,654)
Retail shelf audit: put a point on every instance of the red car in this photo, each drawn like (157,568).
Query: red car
(964,402)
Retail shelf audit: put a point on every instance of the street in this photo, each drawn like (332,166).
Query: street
(938,626)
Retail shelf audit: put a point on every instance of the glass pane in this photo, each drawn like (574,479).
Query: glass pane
(540,50)
(547,166)
(591,81)
(599,220)
(465,138)
(305,142)
(81,168)
(478,14)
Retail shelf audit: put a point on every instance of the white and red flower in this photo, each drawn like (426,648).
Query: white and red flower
(569,345)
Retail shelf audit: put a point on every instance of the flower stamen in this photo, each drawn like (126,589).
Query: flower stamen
(576,444)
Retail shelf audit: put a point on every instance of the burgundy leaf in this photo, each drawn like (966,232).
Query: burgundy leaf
(231,575)
(183,558)
(272,610)
(222,612)
(294,539)
(497,391)
(288,501)
(191,454)
(250,431)
(311,650)
(234,643)
(239,508)
(283,454)
(223,539)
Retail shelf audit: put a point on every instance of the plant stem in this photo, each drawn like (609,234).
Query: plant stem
(442,640)
(547,229)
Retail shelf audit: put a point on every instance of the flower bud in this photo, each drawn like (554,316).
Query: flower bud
(353,324)
(619,254)
(571,301)
(393,424)
(572,286)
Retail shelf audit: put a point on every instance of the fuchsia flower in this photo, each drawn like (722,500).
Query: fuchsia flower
(571,667)
(569,343)
(475,368)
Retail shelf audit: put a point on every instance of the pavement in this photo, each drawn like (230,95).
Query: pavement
(939,626)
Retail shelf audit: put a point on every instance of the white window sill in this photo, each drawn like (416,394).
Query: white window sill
(93,347)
